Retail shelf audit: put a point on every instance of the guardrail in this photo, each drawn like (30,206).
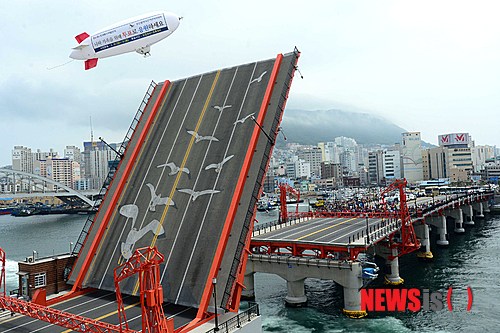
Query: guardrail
(238,320)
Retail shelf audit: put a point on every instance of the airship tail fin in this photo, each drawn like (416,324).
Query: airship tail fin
(81,37)
(90,63)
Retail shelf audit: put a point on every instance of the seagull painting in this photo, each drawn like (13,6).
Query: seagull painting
(202,138)
(195,194)
(242,120)
(134,235)
(259,78)
(221,108)
(174,169)
(218,166)
(157,199)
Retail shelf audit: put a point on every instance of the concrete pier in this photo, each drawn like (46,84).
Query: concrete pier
(478,209)
(457,215)
(296,293)
(442,232)
(468,213)
(422,231)
(248,294)
(393,277)
(295,270)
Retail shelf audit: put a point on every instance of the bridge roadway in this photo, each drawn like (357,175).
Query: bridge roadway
(339,232)
(333,234)
(189,180)
(98,304)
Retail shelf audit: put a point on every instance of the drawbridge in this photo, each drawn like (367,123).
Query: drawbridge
(188,182)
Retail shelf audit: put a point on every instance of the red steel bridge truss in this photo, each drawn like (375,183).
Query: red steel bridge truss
(144,262)
(402,238)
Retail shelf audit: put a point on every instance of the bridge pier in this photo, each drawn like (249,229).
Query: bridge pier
(422,231)
(296,294)
(393,277)
(478,208)
(295,270)
(457,216)
(441,229)
(486,207)
(468,214)
(248,294)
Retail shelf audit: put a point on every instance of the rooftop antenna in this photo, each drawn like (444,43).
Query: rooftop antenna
(94,144)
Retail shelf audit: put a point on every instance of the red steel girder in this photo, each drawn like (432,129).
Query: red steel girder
(59,318)
(322,251)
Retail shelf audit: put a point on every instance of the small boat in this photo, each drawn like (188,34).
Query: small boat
(265,207)
(6,210)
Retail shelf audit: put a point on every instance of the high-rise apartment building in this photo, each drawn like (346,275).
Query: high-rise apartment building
(22,159)
(411,155)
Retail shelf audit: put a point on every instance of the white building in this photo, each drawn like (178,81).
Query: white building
(411,151)
(302,169)
(22,159)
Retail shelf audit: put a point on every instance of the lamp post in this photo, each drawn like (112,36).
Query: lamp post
(214,284)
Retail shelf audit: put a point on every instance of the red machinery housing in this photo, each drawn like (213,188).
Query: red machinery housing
(145,261)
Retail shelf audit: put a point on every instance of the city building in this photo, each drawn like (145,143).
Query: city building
(311,155)
(411,155)
(384,166)
(22,159)
(96,156)
(447,162)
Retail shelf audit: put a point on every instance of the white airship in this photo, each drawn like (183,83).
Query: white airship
(135,34)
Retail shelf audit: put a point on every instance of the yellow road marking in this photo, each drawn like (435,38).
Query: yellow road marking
(109,314)
(332,226)
(124,190)
(183,164)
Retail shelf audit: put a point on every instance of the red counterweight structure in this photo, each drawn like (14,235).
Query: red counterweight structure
(409,241)
(146,262)
(56,317)
(284,190)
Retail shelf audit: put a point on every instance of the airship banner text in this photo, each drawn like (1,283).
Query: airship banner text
(129,32)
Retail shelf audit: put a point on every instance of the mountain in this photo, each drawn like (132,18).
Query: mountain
(311,127)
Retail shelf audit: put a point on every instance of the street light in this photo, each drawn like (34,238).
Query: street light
(214,284)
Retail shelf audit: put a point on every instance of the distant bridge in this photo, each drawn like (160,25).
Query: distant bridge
(32,185)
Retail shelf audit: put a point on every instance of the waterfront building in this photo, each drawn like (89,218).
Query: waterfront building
(61,170)
(447,162)
(411,155)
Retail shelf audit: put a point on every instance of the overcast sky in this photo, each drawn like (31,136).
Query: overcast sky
(429,66)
